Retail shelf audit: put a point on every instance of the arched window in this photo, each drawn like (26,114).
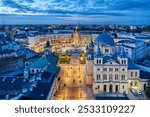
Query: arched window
(89,56)
(97,76)
(131,83)
(144,87)
(111,88)
(97,62)
(135,83)
(117,89)
(116,77)
(110,77)
(105,88)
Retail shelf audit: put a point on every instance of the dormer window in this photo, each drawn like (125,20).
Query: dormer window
(98,61)
(106,50)
(124,62)
(89,57)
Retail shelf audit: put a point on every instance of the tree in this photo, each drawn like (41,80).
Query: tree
(148,90)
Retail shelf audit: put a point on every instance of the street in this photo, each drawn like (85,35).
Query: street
(72,84)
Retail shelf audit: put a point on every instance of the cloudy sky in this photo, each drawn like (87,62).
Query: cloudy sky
(74,11)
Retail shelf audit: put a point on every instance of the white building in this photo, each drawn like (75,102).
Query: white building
(108,71)
(33,40)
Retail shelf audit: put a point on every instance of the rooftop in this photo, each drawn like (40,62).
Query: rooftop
(104,39)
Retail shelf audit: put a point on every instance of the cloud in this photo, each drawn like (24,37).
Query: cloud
(80,8)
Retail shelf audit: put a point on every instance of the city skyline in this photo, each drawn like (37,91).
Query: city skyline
(129,12)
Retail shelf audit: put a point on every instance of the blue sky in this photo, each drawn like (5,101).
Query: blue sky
(74,11)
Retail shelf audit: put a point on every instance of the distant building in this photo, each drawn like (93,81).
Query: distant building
(134,49)
(33,40)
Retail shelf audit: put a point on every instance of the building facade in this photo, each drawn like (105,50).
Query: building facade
(109,71)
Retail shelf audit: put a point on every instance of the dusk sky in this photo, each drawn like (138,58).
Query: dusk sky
(74,11)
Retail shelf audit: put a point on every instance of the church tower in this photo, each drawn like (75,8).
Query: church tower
(76,36)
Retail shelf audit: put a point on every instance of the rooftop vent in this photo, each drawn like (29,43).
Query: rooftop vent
(7,97)
(25,90)
(24,80)
(13,80)
(31,88)
(4,79)
(41,95)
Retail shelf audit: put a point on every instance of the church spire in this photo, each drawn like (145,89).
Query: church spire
(98,52)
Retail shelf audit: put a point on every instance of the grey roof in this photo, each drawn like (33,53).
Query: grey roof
(104,39)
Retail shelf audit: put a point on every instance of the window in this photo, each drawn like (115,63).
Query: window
(123,69)
(135,74)
(89,56)
(131,74)
(97,61)
(116,69)
(32,70)
(122,86)
(98,76)
(122,61)
(104,77)
(106,50)
(110,76)
(27,64)
(110,69)
(122,77)
(98,87)
(110,62)
(135,83)
(116,76)
(130,83)
(104,69)
(98,69)
(37,70)
(125,62)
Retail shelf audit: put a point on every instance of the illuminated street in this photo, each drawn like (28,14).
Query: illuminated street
(72,84)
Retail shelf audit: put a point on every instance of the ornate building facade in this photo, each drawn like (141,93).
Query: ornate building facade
(109,71)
